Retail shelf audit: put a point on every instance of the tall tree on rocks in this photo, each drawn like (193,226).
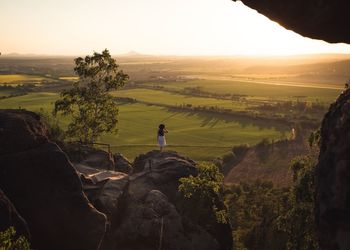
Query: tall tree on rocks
(89,104)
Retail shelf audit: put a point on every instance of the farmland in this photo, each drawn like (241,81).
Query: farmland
(261,89)
(15,79)
(207,104)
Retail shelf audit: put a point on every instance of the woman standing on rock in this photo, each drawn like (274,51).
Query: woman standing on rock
(161,136)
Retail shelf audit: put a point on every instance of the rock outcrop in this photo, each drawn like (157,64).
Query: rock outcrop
(333,177)
(142,210)
(145,208)
(319,19)
(44,187)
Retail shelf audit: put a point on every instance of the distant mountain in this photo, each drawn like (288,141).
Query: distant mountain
(133,53)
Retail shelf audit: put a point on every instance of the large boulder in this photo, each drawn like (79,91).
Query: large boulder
(44,187)
(333,177)
(161,171)
(154,204)
(320,19)
(154,223)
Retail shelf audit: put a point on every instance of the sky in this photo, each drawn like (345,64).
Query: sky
(157,27)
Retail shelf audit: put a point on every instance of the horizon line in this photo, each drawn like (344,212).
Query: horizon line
(136,54)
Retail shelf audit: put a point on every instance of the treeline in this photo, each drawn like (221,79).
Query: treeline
(16,90)
(275,118)
(125,99)
(198,92)
(292,106)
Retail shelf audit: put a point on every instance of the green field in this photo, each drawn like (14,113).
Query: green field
(254,89)
(5,92)
(21,79)
(202,136)
(32,101)
(159,97)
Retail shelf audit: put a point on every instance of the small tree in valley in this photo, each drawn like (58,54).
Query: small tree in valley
(88,103)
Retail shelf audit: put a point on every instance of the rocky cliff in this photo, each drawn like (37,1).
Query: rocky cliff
(327,20)
(88,205)
(333,177)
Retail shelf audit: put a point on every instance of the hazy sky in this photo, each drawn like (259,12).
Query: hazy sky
(166,27)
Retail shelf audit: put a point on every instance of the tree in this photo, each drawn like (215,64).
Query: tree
(88,103)
(253,212)
(298,220)
(202,195)
(347,84)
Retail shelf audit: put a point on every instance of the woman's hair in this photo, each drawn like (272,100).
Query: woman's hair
(161,126)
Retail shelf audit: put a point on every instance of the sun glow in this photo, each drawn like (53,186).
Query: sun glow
(183,27)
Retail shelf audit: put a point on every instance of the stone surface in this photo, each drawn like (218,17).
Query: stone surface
(122,164)
(333,177)
(44,187)
(319,19)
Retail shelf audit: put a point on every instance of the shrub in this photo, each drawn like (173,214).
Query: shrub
(9,241)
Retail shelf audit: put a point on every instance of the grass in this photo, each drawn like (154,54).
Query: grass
(20,79)
(201,136)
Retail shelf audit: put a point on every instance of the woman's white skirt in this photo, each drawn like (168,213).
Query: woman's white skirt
(161,141)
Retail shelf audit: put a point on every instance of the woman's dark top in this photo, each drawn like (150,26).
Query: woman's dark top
(161,132)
